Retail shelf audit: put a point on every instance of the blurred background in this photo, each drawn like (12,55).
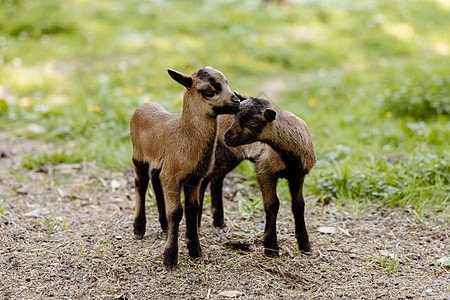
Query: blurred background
(370,78)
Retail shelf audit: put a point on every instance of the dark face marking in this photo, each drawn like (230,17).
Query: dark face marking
(215,87)
(220,110)
(212,86)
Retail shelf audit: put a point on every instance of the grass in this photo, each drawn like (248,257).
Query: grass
(388,261)
(369,77)
(378,155)
(52,224)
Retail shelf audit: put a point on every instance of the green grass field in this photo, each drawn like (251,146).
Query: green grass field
(371,79)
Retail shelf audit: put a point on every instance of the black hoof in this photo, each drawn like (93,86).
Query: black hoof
(306,247)
(138,236)
(170,257)
(218,223)
(271,252)
(195,252)
(139,232)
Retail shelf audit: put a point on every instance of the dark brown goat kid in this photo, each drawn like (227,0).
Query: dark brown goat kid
(280,145)
(178,150)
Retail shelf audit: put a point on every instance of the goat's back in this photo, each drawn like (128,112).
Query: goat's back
(150,129)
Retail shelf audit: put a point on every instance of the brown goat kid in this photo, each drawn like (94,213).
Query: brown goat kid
(285,150)
(179,150)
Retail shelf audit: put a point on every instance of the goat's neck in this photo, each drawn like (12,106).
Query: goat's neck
(284,138)
(197,122)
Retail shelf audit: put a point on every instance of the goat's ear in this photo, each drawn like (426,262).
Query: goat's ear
(240,96)
(181,78)
(270,114)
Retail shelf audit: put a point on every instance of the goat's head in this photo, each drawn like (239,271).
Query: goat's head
(211,86)
(251,120)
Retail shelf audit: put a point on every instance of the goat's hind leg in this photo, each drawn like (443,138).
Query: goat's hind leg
(141,184)
(174,213)
(159,195)
(201,197)
(191,202)
(216,187)
(225,162)
(298,209)
(268,184)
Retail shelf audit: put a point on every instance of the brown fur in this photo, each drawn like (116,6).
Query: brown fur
(285,150)
(179,149)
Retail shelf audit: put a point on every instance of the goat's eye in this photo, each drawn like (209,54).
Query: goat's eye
(208,93)
(253,125)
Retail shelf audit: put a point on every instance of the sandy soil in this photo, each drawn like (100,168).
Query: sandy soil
(66,233)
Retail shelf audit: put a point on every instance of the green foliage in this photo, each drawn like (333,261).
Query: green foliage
(3,106)
(423,179)
(423,95)
(367,151)
(57,157)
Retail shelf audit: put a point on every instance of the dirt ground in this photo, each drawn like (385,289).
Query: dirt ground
(66,233)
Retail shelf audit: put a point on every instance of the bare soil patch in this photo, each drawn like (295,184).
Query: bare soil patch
(66,233)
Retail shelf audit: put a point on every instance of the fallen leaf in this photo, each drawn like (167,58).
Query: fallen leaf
(61,193)
(34,213)
(231,294)
(384,253)
(115,184)
(444,261)
(325,229)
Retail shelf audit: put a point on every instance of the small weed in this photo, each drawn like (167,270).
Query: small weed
(430,273)
(207,199)
(322,201)
(388,260)
(51,224)
(295,252)
(247,205)
(105,244)
(441,227)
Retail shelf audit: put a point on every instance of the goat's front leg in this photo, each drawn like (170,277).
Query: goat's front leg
(141,183)
(298,209)
(268,184)
(159,195)
(191,207)
(174,213)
